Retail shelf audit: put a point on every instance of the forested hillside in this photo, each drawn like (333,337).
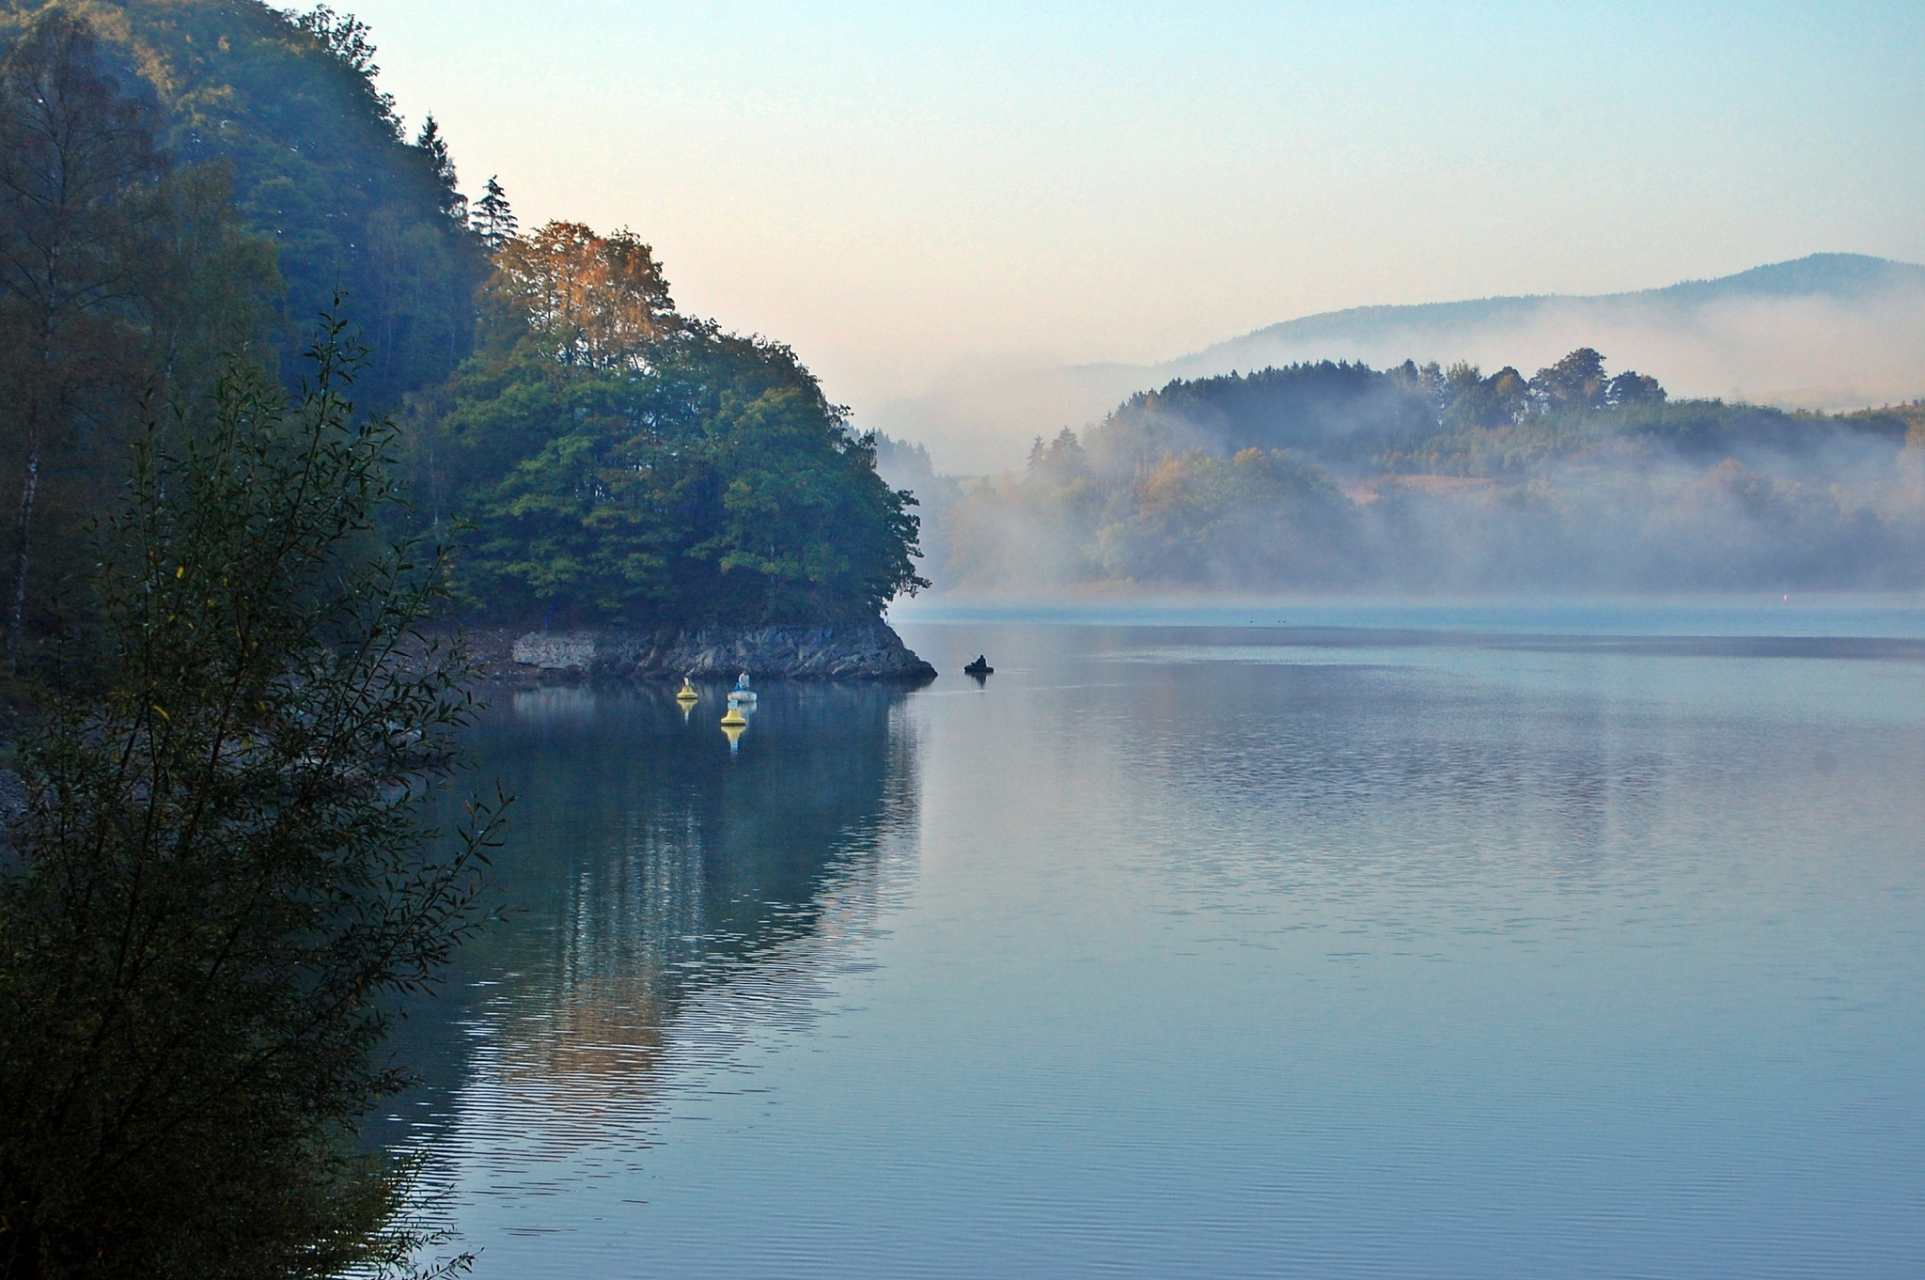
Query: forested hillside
(287,108)
(186,182)
(1338,475)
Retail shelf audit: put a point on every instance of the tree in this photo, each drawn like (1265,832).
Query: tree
(346,40)
(1061,462)
(1472,400)
(441,162)
(803,514)
(72,152)
(1631,387)
(1575,382)
(223,871)
(494,219)
(206,285)
(597,302)
(120,275)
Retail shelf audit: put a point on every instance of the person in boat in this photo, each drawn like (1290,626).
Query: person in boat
(980,667)
(741,692)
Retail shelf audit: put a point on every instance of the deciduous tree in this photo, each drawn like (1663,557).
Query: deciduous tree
(598,302)
(224,871)
(74,153)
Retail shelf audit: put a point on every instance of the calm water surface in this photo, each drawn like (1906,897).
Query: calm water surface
(1432,946)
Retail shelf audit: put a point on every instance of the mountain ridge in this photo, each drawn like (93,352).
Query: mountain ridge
(1826,331)
(1844,276)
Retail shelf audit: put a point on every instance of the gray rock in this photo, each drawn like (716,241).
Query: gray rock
(851,651)
(561,651)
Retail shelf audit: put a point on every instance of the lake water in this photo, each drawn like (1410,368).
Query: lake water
(1361,941)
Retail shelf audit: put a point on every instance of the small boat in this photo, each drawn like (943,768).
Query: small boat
(980,667)
(741,692)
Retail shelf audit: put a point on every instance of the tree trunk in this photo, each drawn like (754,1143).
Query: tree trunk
(28,491)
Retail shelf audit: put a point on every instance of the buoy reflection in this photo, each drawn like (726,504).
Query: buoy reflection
(735,723)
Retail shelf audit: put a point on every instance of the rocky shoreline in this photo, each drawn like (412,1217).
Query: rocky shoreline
(850,651)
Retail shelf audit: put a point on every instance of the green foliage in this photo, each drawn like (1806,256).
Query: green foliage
(1339,410)
(319,165)
(905,466)
(223,870)
(494,218)
(620,462)
(1203,518)
(1471,400)
(1575,382)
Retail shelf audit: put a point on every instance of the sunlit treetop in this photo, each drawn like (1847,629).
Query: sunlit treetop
(600,301)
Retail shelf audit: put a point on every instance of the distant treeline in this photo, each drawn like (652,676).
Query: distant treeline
(1336,475)
(184,182)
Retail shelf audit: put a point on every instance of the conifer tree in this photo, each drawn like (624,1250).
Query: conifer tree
(494,219)
(430,142)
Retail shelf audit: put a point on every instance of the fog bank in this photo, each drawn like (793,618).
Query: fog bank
(1335,476)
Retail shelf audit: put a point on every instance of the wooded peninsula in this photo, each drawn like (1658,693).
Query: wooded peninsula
(227,173)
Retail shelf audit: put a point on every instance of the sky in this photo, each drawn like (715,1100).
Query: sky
(902,191)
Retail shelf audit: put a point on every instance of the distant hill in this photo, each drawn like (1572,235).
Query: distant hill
(1430,330)
(1828,331)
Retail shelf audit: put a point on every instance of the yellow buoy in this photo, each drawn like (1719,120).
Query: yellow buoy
(687,692)
(734,718)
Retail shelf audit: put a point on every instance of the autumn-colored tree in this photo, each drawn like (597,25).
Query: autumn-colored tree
(599,302)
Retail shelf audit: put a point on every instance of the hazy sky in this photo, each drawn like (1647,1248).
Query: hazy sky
(898,189)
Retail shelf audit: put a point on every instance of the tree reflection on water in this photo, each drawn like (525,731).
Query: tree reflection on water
(651,868)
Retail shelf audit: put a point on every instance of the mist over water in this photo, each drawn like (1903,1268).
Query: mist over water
(1582,478)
